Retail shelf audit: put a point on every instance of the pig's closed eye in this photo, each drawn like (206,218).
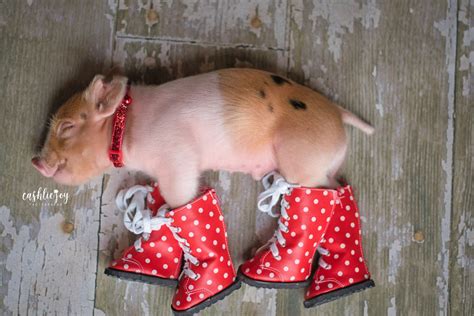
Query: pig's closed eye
(66,129)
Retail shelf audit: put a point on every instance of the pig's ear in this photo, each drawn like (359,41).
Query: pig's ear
(106,94)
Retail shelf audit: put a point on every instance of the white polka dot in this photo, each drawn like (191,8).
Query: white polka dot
(348,208)
(302,270)
(221,259)
(351,198)
(158,255)
(348,235)
(330,285)
(214,242)
(347,262)
(356,242)
(219,287)
(331,240)
(340,273)
(125,266)
(353,225)
(218,230)
(356,269)
(229,263)
(342,191)
(315,201)
(191,234)
(153,271)
(226,275)
(331,202)
(178,303)
(336,229)
(289,251)
(204,197)
(295,217)
(267,264)
(214,201)
(285,268)
(366,276)
(170,249)
(204,265)
(310,236)
(293,234)
(188,206)
(323,210)
(200,210)
(198,250)
(300,244)
(183,218)
(360,259)
(165,266)
(328,219)
(351,280)
(196,222)
(129,256)
(336,256)
(215,270)
(357,214)
(209,282)
(292,278)
(259,271)
(201,296)
(297,261)
(305,209)
(303,227)
(342,246)
(320,228)
(176,260)
(191,287)
(317,287)
(147,260)
(313,219)
(221,218)
(297,199)
(211,214)
(203,238)
(208,226)
(342,218)
(325,193)
(308,191)
(211,254)
(152,244)
(321,277)
(271,275)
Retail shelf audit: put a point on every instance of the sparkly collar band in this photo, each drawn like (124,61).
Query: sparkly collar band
(118,129)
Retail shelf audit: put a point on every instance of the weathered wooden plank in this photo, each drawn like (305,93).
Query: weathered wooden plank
(46,266)
(390,62)
(155,62)
(249,22)
(462,223)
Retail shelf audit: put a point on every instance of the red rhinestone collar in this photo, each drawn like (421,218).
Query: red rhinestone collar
(118,128)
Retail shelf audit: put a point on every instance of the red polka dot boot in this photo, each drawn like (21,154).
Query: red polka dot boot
(342,269)
(208,273)
(156,256)
(286,260)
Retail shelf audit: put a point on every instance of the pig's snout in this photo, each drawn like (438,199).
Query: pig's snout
(43,167)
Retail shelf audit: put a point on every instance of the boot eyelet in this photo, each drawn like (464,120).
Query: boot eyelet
(197,277)
(278,258)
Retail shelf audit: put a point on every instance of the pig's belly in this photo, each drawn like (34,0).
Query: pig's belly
(256,164)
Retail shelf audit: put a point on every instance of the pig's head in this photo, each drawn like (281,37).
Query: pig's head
(79,134)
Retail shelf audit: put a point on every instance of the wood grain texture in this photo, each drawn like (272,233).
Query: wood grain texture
(462,224)
(43,59)
(389,62)
(248,22)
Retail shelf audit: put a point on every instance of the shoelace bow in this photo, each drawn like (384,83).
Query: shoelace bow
(268,199)
(137,218)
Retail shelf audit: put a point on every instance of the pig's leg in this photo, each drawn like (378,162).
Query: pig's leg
(178,178)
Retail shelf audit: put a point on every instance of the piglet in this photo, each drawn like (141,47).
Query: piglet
(238,120)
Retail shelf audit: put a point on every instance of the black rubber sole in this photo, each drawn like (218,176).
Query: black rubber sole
(211,300)
(272,285)
(331,296)
(123,275)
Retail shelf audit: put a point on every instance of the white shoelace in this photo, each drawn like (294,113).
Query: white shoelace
(266,202)
(323,252)
(137,218)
